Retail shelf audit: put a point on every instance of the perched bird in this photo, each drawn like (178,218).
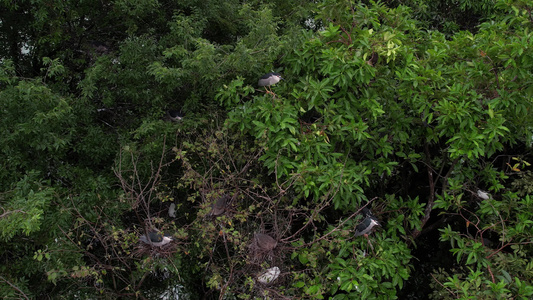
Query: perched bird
(265,242)
(172,210)
(369,221)
(269,275)
(99,47)
(155,238)
(268,80)
(174,115)
(219,207)
(483,195)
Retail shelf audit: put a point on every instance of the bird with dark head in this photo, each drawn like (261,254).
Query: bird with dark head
(268,80)
(369,221)
(174,115)
(155,238)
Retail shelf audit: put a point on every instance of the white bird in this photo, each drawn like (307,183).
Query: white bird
(483,195)
(269,275)
(172,210)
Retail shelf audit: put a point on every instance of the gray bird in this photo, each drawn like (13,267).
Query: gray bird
(265,241)
(219,207)
(369,221)
(268,80)
(155,238)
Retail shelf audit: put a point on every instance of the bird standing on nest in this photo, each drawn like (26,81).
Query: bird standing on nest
(268,80)
(155,238)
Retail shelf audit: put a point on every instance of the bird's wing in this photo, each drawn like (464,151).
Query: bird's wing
(144,239)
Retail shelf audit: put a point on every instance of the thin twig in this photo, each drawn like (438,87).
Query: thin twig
(15,287)
(6,213)
(449,291)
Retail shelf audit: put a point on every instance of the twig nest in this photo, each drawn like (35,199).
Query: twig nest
(269,275)
(265,242)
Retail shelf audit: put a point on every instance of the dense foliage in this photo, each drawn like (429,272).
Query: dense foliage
(416,109)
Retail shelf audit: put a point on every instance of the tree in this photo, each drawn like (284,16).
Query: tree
(396,102)
(416,110)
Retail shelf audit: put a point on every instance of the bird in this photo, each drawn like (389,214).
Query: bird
(269,275)
(155,238)
(265,242)
(369,221)
(99,47)
(172,210)
(268,80)
(483,195)
(174,115)
(219,206)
